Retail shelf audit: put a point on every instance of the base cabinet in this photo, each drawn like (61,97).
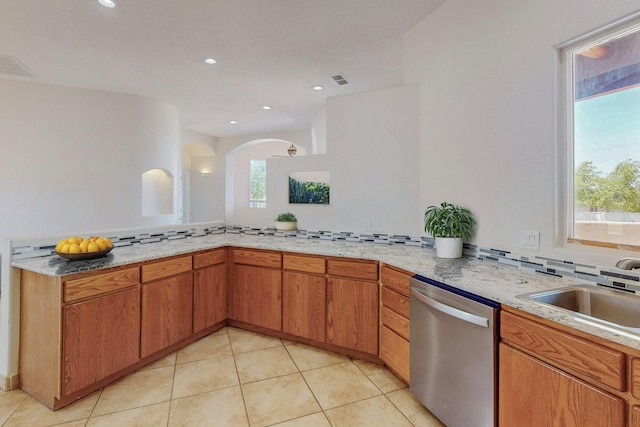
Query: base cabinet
(352,314)
(394,320)
(76,331)
(209,289)
(535,394)
(100,338)
(167,313)
(303,305)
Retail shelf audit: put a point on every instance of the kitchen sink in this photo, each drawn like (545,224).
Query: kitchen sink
(612,307)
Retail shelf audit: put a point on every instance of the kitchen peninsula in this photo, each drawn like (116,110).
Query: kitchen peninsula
(130,272)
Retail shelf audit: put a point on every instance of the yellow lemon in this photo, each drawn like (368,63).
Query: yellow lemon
(60,244)
(65,248)
(74,249)
(83,245)
(103,245)
(93,247)
(108,242)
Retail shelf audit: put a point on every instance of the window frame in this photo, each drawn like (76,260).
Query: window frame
(567,51)
(261,203)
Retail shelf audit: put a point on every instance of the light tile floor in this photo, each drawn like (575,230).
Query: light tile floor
(237,378)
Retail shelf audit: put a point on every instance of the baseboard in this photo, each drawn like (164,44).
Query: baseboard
(9,383)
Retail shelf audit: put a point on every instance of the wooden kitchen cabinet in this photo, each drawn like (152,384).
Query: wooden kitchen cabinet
(304,288)
(101,337)
(535,394)
(394,320)
(167,304)
(548,376)
(209,289)
(255,295)
(77,331)
(352,305)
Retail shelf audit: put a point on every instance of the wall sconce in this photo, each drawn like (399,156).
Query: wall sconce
(205,174)
(292,150)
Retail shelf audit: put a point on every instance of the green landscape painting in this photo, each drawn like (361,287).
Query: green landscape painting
(309,187)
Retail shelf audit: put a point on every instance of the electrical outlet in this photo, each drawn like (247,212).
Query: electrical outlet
(529,239)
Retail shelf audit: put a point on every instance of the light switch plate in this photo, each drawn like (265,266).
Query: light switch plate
(530,240)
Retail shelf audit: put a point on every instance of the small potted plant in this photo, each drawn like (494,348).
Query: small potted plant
(286,222)
(449,225)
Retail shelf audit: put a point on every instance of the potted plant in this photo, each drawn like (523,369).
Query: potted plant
(286,222)
(449,225)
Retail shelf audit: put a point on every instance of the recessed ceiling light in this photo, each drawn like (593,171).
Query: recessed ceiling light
(233,122)
(266,107)
(107,3)
(210,61)
(317,87)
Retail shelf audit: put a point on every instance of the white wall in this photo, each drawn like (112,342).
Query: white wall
(205,199)
(72,159)
(372,142)
(237,171)
(319,132)
(488,74)
(372,156)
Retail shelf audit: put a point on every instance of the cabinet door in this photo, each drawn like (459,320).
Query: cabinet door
(352,314)
(256,296)
(532,393)
(209,296)
(394,351)
(100,337)
(167,312)
(634,416)
(304,305)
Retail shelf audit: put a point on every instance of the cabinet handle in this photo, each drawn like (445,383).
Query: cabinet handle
(451,311)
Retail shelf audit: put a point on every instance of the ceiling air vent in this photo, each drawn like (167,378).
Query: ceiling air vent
(10,65)
(340,79)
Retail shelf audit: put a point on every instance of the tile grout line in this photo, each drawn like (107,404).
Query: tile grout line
(235,363)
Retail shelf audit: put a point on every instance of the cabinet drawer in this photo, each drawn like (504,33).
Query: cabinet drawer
(98,284)
(394,352)
(367,270)
(395,301)
(394,321)
(209,258)
(395,279)
(257,258)
(591,360)
(161,269)
(307,264)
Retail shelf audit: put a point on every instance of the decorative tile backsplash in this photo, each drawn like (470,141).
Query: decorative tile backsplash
(614,278)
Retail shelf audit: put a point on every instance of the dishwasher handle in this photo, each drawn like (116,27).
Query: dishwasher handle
(451,311)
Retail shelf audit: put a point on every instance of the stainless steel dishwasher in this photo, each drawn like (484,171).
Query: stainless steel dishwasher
(453,353)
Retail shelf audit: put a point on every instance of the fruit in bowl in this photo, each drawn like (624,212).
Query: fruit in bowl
(76,247)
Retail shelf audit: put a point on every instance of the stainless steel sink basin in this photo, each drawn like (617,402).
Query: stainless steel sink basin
(613,307)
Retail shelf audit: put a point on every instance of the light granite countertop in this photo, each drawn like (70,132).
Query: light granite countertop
(494,281)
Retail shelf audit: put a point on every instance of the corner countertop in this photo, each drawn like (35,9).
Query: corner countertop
(494,281)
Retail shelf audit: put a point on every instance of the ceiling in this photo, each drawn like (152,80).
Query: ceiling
(268,52)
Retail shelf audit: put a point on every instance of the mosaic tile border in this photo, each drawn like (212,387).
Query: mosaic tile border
(126,239)
(604,276)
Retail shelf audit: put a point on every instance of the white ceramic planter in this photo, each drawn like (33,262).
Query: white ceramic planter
(448,247)
(286,226)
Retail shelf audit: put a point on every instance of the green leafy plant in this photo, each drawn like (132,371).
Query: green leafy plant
(286,217)
(449,220)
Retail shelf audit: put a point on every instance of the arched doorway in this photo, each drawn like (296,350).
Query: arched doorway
(238,178)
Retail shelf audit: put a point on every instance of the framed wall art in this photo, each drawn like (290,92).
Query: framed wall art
(309,187)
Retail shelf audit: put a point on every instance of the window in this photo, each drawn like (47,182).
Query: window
(604,136)
(258,184)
